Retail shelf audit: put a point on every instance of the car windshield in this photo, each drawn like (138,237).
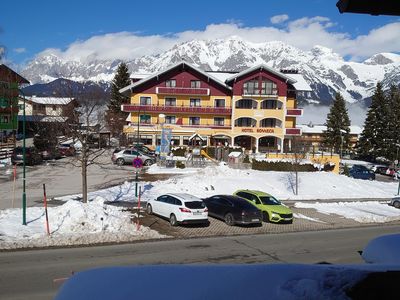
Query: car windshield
(268,200)
(195,204)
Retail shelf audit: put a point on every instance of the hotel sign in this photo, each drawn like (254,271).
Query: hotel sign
(258,130)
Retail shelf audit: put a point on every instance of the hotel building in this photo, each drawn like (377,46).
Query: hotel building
(255,109)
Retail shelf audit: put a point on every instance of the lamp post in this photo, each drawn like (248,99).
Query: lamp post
(160,117)
(24,161)
(341,143)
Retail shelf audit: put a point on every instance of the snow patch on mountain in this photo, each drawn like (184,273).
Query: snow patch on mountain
(326,71)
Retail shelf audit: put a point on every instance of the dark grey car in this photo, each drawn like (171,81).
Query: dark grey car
(126,156)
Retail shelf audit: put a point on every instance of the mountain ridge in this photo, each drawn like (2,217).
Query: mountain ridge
(325,70)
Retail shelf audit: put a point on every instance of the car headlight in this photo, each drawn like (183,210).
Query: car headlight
(274,214)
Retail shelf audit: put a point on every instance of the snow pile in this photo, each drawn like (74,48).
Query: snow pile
(72,223)
(383,250)
(363,212)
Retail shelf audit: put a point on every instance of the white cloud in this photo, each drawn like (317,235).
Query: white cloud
(19,50)
(303,33)
(279,19)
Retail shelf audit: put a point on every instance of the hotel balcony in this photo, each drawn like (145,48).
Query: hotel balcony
(177,109)
(157,127)
(294,112)
(182,91)
(293,131)
(259,93)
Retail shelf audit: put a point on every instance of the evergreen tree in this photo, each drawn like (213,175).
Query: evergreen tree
(375,137)
(337,135)
(120,81)
(393,123)
(115,117)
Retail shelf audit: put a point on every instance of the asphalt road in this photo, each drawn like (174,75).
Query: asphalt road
(31,274)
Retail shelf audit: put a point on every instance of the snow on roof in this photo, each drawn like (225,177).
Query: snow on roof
(322,128)
(50,100)
(222,76)
(127,88)
(300,84)
(139,76)
(235,154)
(262,67)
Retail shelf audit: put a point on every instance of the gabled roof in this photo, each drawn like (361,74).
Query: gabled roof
(6,71)
(181,63)
(262,67)
(50,100)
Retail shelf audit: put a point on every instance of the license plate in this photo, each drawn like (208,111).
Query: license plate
(255,220)
(196,213)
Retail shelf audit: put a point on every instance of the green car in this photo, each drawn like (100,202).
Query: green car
(272,209)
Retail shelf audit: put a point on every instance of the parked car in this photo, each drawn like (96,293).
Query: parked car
(50,154)
(379,169)
(32,156)
(179,209)
(395,201)
(66,149)
(361,172)
(126,156)
(233,210)
(272,209)
(144,149)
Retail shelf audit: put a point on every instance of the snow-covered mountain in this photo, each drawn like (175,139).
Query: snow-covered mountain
(323,69)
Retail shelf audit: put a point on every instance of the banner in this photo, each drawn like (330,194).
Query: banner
(166,134)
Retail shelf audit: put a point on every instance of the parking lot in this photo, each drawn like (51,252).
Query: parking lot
(312,221)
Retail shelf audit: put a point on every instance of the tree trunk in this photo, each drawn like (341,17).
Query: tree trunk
(84,176)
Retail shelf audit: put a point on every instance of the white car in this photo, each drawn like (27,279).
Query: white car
(179,208)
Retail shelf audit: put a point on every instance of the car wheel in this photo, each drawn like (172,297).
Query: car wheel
(265,217)
(148,162)
(149,209)
(120,162)
(229,220)
(396,204)
(172,220)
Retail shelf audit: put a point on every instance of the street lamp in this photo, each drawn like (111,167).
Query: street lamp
(341,143)
(160,117)
(24,161)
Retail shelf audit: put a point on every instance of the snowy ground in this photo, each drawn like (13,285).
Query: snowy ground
(70,224)
(77,223)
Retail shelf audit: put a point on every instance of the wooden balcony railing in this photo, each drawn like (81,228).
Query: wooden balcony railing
(182,91)
(177,109)
(294,112)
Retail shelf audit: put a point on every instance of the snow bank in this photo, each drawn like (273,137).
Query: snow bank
(363,212)
(70,224)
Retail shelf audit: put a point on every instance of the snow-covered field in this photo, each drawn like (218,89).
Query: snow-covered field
(96,222)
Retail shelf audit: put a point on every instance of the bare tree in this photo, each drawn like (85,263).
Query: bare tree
(84,124)
(299,153)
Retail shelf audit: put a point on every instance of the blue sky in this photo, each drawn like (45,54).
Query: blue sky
(76,29)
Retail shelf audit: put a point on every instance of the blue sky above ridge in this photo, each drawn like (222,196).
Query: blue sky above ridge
(127,29)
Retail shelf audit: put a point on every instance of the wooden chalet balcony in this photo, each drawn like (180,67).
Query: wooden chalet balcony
(259,93)
(182,91)
(293,131)
(177,109)
(294,112)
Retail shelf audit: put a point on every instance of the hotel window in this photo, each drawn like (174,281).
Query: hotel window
(268,88)
(195,84)
(170,83)
(251,87)
(170,120)
(145,119)
(54,107)
(219,102)
(269,104)
(195,102)
(145,100)
(194,120)
(170,101)
(219,121)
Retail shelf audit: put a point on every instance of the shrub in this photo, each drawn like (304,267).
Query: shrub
(281,166)
(180,164)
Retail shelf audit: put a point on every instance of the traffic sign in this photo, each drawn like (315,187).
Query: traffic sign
(138,163)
